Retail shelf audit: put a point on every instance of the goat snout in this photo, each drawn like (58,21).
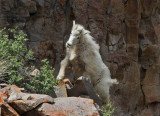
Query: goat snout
(68,45)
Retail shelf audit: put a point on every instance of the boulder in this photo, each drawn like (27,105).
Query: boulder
(13,102)
(5,108)
(24,102)
(84,88)
(66,106)
(8,89)
(60,90)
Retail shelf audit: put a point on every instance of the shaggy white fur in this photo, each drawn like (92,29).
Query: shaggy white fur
(82,47)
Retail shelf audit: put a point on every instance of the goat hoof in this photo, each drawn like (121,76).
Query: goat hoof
(60,77)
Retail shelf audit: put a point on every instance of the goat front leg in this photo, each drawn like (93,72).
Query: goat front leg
(64,64)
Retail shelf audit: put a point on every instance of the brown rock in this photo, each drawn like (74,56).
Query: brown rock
(68,83)
(151,110)
(148,7)
(80,10)
(65,107)
(132,50)
(132,13)
(151,85)
(82,88)
(6,91)
(35,72)
(3,94)
(2,85)
(6,109)
(130,89)
(24,102)
(156,24)
(32,8)
(60,90)
(150,55)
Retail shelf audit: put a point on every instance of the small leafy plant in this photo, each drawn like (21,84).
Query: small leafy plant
(13,57)
(107,109)
(43,82)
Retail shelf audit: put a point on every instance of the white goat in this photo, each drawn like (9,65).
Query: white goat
(82,48)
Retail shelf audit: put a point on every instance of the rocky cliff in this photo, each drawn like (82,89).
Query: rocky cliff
(128,32)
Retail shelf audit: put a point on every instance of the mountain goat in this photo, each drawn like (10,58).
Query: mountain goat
(82,48)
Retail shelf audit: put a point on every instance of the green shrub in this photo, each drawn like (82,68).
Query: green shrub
(14,53)
(13,56)
(43,82)
(108,109)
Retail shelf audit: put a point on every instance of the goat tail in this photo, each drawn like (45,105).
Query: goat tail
(113,81)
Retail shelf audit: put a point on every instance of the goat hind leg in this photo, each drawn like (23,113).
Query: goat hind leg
(103,90)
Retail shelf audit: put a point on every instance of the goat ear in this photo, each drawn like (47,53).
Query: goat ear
(86,31)
(74,23)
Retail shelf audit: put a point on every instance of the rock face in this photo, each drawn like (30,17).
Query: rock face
(128,32)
